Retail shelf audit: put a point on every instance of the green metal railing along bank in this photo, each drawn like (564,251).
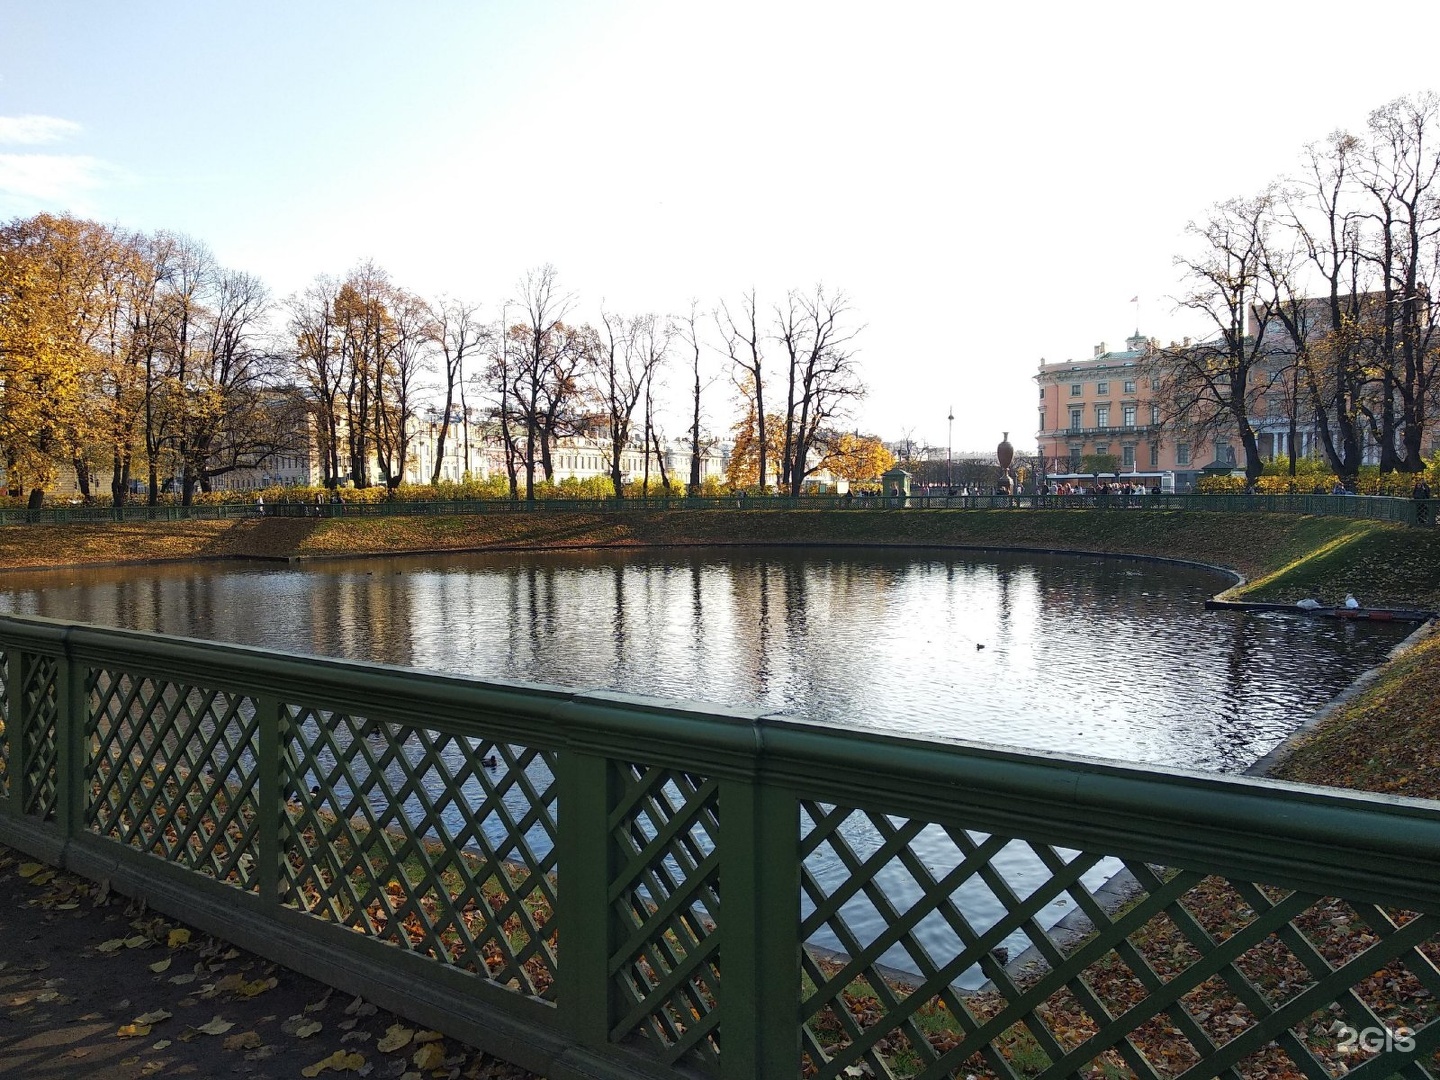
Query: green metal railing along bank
(1371,507)
(594,885)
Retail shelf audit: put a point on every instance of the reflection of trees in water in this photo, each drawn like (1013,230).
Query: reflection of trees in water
(619,636)
(374,616)
(1116,651)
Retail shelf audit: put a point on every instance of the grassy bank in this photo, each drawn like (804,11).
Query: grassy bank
(1255,544)
(1386,739)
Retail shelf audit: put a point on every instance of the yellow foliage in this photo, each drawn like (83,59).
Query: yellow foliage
(858,457)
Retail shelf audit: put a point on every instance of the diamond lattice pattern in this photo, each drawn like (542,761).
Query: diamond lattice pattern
(40,707)
(1159,973)
(4,722)
(172,772)
(667,901)
(436,843)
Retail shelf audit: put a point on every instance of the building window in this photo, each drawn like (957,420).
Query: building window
(1042,393)
(1075,389)
(1102,388)
(1042,419)
(1154,455)
(1127,456)
(1102,415)
(1102,448)
(1075,422)
(1129,414)
(1155,385)
(1182,453)
(1229,454)
(1075,458)
(1129,386)
(1154,414)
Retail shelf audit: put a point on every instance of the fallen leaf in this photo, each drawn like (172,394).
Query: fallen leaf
(139,941)
(161,965)
(259,986)
(132,1031)
(355,1036)
(182,980)
(340,1061)
(153,1017)
(248,1040)
(428,1036)
(217,1026)
(224,986)
(113,945)
(310,1027)
(30,869)
(161,1045)
(177,938)
(396,1037)
(429,1056)
(43,878)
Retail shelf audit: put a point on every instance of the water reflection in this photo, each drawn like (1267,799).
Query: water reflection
(1102,657)
(1109,658)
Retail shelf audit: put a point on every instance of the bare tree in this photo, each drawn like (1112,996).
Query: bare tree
(628,352)
(459,333)
(319,359)
(1327,333)
(1401,173)
(235,417)
(687,328)
(822,378)
(398,388)
(541,378)
(742,338)
(1209,388)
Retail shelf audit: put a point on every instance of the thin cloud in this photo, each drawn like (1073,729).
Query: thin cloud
(51,178)
(36,130)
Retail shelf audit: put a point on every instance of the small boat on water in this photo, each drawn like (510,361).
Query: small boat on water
(1327,611)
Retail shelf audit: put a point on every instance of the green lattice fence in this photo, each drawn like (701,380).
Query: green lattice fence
(596,885)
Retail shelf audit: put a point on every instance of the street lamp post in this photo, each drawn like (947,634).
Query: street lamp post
(949,445)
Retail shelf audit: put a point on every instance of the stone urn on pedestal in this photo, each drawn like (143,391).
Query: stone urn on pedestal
(1005,455)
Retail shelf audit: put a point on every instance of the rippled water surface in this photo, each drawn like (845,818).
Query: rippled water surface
(1102,657)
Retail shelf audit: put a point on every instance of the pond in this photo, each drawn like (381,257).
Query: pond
(1113,658)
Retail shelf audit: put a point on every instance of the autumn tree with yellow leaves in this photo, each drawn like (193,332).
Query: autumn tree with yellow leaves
(130,352)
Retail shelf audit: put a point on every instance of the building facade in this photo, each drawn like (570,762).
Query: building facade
(1109,404)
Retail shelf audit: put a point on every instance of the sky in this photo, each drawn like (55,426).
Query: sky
(987,184)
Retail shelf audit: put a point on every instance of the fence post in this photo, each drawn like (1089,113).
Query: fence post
(585,858)
(760,927)
(276,788)
(71,712)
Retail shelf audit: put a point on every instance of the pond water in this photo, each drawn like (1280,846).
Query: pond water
(1111,658)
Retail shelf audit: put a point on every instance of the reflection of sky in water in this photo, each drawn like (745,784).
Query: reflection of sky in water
(1104,658)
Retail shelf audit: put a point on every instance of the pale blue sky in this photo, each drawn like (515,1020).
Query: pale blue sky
(990,185)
